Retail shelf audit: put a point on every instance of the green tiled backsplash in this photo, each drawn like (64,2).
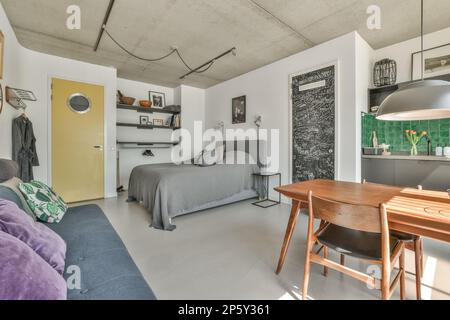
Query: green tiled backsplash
(393,133)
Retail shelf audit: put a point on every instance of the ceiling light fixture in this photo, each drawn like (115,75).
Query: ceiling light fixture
(422,100)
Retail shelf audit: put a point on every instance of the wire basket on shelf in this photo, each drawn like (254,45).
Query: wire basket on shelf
(385,73)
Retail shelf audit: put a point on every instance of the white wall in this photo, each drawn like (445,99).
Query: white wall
(401,52)
(130,158)
(267,92)
(40,69)
(12,72)
(192,101)
(363,76)
(33,71)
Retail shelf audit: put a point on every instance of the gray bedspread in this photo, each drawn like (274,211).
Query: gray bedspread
(168,190)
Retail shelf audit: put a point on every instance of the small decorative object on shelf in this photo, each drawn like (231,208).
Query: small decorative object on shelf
(125,100)
(145,103)
(158,122)
(385,73)
(374,109)
(414,139)
(143,120)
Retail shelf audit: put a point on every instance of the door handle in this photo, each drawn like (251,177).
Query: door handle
(98,147)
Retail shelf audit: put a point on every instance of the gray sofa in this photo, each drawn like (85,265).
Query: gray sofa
(107,269)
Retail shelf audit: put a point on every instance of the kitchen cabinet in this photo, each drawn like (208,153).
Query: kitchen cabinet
(432,175)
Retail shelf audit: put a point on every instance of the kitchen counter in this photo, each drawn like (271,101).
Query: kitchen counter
(406,157)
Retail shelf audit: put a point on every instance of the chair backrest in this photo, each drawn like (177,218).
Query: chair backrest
(356,217)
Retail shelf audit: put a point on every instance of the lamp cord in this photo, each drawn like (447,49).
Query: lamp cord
(421,37)
(160,58)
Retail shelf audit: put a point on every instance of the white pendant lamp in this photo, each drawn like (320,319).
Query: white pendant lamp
(421,100)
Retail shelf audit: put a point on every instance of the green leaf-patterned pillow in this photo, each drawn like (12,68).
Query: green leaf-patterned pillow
(43,201)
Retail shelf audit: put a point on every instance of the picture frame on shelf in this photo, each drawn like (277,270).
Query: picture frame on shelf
(238,109)
(143,120)
(436,62)
(158,99)
(158,122)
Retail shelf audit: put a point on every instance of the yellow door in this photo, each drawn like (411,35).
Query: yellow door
(77,140)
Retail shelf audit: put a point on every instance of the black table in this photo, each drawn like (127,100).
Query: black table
(270,203)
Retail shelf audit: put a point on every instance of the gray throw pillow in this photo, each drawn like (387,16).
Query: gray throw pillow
(8,169)
(13,185)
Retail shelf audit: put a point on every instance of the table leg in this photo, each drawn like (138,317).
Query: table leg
(289,231)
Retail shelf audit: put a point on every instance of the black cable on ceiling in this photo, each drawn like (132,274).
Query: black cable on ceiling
(160,58)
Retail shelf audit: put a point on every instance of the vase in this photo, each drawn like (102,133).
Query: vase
(414,150)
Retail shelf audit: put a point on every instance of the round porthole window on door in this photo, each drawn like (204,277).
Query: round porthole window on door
(79,103)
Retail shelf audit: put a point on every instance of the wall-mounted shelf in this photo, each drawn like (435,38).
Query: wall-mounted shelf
(146,145)
(145,126)
(145,110)
(378,95)
(143,144)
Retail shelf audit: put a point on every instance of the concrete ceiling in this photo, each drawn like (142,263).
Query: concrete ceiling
(264,31)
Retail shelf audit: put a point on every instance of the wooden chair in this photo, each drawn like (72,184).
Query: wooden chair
(415,244)
(357,231)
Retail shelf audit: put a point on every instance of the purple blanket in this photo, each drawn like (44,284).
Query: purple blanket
(45,242)
(24,275)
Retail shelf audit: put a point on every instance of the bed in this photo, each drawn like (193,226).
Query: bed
(168,190)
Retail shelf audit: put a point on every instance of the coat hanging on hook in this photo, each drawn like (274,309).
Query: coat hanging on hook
(24,147)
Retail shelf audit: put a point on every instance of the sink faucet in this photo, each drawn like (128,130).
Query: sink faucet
(429,147)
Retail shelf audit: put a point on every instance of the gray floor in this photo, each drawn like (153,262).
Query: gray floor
(231,252)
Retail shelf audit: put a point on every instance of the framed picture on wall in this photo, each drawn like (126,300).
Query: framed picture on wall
(238,109)
(2,48)
(158,99)
(436,62)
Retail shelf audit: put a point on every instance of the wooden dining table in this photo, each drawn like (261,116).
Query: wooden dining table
(419,212)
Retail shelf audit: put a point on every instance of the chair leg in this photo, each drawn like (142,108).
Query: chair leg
(342,260)
(419,260)
(385,282)
(306,275)
(402,275)
(325,256)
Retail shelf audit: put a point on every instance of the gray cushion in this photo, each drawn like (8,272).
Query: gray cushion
(107,269)
(13,184)
(8,194)
(8,169)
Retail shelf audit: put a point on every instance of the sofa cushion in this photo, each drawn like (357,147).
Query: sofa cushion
(45,242)
(13,184)
(107,270)
(45,204)
(24,275)
(8,194)
(8,169)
